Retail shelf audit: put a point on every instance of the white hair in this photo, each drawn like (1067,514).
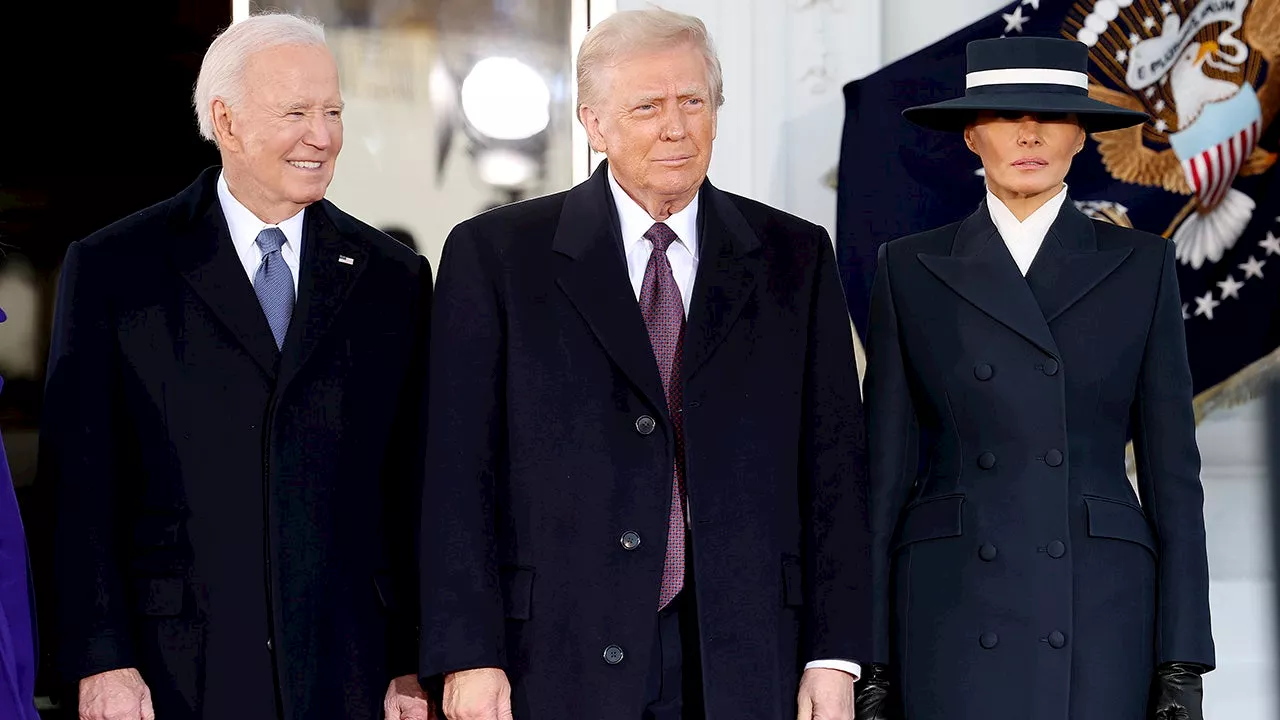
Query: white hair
(222,72)
(632,31)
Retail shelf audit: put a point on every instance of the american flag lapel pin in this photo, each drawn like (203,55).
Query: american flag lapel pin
(346,260)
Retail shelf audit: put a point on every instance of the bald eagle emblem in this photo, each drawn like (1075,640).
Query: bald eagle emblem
(1195,67)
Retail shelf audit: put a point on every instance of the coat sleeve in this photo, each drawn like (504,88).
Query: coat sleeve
(83,446)
(462,608)
(833,466)
(1168,464)
(891,444)
(402,492)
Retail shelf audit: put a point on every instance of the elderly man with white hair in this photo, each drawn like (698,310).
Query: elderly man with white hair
(233,422)
(646,483)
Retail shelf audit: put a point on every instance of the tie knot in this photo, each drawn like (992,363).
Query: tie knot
(270,240)
(661,236)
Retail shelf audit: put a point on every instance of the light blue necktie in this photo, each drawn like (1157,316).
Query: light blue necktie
(274,284)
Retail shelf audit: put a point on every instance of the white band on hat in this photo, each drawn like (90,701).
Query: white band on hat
(1026,76)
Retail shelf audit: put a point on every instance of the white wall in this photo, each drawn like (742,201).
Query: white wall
(1242,578)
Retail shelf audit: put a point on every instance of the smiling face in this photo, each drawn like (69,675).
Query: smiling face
(656,124)
(281,140)
(1025,156)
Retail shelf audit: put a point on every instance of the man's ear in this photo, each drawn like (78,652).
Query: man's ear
(591,122)
(222,125)
(968,140)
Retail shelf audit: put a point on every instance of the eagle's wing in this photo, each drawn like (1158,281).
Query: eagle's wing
(1257,163)
(1127,158)
(1262,33)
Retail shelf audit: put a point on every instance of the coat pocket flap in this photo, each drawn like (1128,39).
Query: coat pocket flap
(517,592)
(939,517)
(1119,521)
(162,597)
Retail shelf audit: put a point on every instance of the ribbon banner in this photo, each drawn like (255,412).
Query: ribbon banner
(1152,58)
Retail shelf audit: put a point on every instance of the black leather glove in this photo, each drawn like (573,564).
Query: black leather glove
(1177,692)
(874,696)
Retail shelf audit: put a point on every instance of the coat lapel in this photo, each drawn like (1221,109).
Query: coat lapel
(981,270)
(203,254)
(592,273)
(727,268)
(333,258)
(1069,264)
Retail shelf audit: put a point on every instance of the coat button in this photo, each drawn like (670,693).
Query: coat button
(630,540)
(983,371)
(1053,458)
(270,645)
(988,640)
(987,552)
(613,655)
(986,461)
(645,425)
(1057,640)
(1057,549)
(1050,367)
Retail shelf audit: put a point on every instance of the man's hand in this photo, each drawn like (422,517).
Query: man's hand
(405,700)
(825,695)
(115,695)
(480,694)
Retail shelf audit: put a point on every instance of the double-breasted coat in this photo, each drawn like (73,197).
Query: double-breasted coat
(236,521)
(551,453)
(1018,575)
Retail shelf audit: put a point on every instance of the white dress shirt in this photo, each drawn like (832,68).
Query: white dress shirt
(683,256)
(245,226)
(1024,238)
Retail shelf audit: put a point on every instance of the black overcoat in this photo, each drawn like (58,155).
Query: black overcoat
(551,442)
(1018,575)
(235,521)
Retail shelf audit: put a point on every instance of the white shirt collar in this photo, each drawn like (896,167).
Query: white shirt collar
(636,221)
(245,226)
(1024,238)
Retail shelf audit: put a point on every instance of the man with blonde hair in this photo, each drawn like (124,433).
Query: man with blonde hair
(233,422)
(646,473)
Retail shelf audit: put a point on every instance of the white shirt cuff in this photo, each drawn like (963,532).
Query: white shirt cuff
(852,668)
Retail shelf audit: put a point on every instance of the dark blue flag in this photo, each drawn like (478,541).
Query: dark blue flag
(1202,172)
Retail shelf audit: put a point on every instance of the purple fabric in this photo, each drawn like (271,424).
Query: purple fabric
(663,312)
(17,636)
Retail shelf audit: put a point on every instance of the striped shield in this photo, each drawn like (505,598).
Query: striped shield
(1212,171)
(1217,145)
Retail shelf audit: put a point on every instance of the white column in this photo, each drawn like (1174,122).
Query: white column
(1241,577)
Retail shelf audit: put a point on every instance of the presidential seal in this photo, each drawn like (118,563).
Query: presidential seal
(1205,71)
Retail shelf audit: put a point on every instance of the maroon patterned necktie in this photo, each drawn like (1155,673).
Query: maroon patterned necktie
(663,311)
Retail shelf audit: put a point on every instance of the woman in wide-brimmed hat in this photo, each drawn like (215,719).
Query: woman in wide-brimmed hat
(1011,356)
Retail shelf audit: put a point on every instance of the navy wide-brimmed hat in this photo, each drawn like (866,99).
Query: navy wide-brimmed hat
(1029,74)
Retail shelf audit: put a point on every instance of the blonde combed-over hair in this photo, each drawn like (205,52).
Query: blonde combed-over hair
(633,31)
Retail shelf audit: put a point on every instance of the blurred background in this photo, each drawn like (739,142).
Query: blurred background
(453,107)
(457,106)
